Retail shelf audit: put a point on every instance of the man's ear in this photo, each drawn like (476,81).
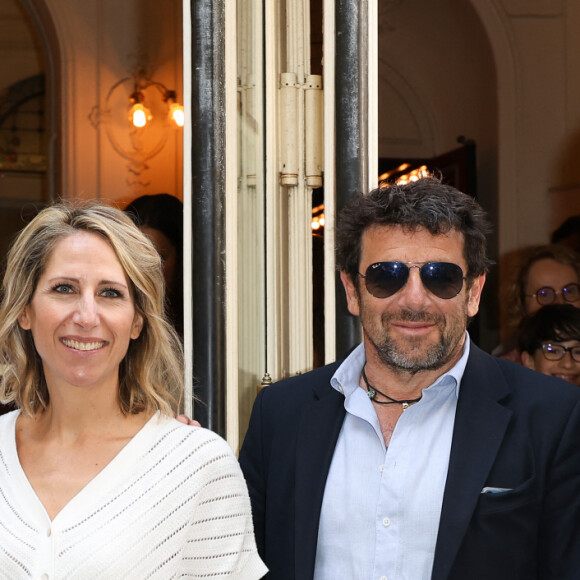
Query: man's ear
(352,295)
(475,295)
(23,320)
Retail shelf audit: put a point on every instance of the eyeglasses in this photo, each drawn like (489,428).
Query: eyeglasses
(558,351)
(547,295)
(383,279)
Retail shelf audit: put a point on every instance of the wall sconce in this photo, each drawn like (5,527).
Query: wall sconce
(140,115)
(148,107)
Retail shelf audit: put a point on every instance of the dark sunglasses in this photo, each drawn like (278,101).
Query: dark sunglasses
(547,295)
(444,279)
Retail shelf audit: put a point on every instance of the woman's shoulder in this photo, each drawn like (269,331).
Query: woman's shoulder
(189,439)
(188,453)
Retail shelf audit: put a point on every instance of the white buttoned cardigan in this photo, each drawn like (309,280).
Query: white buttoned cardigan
(172,504)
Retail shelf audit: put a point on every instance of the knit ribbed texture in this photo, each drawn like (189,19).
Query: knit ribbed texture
(172,504)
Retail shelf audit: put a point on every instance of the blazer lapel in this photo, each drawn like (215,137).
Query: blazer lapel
(318,432)
(480,424)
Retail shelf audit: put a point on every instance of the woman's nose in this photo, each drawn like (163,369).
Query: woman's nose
(86,312)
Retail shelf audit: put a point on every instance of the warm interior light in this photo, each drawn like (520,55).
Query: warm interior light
(412,175)
(176,114)
(139,115)
(317,217)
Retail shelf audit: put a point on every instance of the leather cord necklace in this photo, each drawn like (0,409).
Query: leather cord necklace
(372,393)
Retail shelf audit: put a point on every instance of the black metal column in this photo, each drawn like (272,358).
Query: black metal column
(351,140)
(208,176)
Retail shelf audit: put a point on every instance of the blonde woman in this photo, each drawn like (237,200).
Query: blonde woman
(97,480)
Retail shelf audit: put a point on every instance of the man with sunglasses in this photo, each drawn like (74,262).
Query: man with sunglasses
(419,456)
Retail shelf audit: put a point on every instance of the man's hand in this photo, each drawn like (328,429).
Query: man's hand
(185,419)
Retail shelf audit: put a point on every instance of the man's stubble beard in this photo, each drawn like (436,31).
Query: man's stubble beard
(413,355)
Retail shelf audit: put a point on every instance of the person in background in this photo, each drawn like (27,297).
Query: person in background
(549,342)
(419,456)
(548,274)
(568,233)
(97,479)
(160,217)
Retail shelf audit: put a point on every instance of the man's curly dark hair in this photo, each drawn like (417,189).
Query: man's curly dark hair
(427,204)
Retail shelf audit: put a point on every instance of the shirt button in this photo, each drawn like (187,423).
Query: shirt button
(381,467)
(386,522)
(384,578)
(48,533)
(44,577)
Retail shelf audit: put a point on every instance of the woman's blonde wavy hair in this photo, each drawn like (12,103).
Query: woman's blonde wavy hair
(151,374)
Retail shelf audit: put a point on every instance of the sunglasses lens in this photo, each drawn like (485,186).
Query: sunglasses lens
(443,279)
(384,279)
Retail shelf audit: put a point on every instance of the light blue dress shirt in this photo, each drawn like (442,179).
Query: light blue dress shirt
(381,507)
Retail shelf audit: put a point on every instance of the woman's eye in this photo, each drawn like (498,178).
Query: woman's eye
(110,293)
(63,289)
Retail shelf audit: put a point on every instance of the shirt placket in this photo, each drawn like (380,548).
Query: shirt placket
(388,524)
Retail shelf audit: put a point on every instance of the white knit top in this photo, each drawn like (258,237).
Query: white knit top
(172,504)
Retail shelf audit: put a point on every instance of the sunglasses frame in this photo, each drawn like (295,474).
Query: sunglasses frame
(424,279)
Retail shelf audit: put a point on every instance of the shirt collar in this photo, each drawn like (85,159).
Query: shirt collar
(346,378)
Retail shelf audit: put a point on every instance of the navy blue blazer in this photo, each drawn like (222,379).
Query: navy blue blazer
(514,428)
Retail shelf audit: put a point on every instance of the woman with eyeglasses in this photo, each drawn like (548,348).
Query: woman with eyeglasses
(549,342)
(548,274)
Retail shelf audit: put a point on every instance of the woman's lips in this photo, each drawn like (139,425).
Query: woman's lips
(83,345)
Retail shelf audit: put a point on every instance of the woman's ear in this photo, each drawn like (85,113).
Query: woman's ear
(137,326)
(23,320)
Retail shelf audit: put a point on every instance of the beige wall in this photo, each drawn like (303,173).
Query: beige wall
(102,42)
(503,72)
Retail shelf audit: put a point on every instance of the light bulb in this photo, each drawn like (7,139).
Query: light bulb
(139,115)
(176,114)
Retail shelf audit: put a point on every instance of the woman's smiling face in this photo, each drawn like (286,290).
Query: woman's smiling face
(82,314)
